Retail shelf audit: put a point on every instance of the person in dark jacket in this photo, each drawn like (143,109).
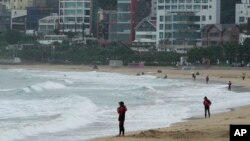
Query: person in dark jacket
(229,85)
(207,79)
(207,103)
(121,111)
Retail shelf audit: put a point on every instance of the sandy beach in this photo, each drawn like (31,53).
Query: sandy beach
(215,128)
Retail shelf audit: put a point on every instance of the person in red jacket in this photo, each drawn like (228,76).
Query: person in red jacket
(207,104)
(121,111)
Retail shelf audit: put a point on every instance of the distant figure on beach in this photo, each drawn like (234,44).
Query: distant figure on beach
(166,76)
(207,103)
(138,74)
(142,73)
(194,76)
(207,79)
(229,85)
(159,71)
(121,111)
(95,67)
(243,76)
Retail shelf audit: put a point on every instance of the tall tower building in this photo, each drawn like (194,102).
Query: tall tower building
(129,14)
(75,16)
(242,12)
(179,22)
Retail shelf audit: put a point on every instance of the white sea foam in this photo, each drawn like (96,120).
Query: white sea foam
(71,113)
(48,85)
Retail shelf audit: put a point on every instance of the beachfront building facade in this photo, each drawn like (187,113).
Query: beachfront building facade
(4,18)
(179,22)
(18,20)
(75,16)
(106,27)
(145,35)
(220,34)
(129,14)
(48,25)
(126,20)
(242,12)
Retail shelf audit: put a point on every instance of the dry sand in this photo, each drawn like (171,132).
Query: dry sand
(215,128)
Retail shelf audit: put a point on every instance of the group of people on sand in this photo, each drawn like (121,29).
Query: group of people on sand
(122,109)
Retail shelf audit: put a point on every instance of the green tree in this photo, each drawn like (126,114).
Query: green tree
(12,37)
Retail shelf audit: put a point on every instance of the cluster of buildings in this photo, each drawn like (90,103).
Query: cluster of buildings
(141,24)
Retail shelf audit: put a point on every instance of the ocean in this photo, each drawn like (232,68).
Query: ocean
(77,106)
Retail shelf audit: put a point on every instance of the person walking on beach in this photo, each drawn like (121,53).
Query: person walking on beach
(207,104)
(194,76)
(207,79)
(121,111)
(243,76)
(229,85)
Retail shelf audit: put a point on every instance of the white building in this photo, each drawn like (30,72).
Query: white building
(145,35)
(243,37)
(242,12)
(179,22)
(49,24)
(18,19)
(75,16)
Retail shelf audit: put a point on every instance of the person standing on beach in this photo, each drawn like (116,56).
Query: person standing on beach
(194,76)
(121,111)
(229,85)
(207,79)
(207,103)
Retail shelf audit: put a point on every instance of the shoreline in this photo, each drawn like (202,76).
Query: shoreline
(194,128)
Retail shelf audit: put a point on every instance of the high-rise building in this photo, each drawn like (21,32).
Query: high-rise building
(129,14)
(4,18)
(242,12)
(179,22)
(126,20)
(75,16)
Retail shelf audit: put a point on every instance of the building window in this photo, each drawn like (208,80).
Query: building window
(160,1)
(203,18)
(161,18)
(210,17)
(174,1)
(204,1)
(161,26)
(241,19)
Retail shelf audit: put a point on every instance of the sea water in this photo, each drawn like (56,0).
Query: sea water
(76,106)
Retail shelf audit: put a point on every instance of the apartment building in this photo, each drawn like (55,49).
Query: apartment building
(129,14)
(242,12)
(179,22)
(4,18)
(75,16)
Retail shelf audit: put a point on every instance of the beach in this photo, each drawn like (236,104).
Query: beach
(215,128)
